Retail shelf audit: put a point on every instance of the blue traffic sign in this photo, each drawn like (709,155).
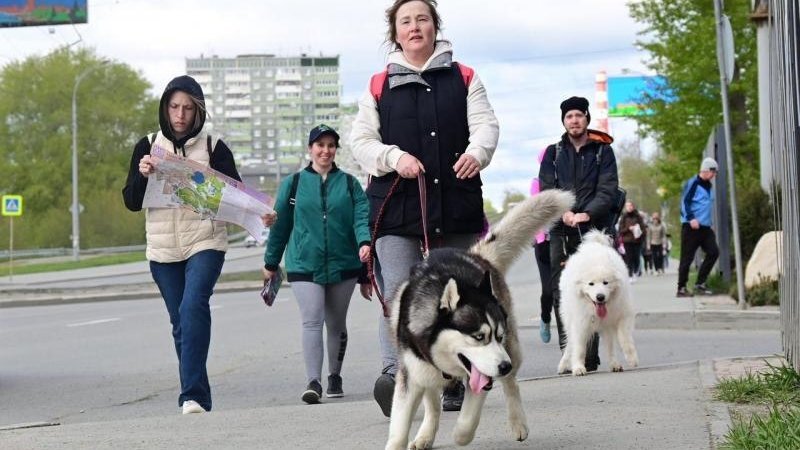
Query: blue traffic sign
(12,205)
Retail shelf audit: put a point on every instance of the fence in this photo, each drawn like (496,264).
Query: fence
(784,37)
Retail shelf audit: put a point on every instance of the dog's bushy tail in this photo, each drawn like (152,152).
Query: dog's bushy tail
(506,240)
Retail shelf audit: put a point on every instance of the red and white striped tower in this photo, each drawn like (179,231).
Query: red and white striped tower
(601,102)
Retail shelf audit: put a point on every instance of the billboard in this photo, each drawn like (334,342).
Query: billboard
(23,13)
(625,93)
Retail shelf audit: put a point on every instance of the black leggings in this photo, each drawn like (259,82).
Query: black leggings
(542,251)
(633,254)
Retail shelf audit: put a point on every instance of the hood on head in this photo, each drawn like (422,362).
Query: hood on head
(186,84)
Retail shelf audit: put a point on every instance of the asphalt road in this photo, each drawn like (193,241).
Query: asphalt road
(115,360)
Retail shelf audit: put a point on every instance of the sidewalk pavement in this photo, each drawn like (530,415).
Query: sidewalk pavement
(660,407)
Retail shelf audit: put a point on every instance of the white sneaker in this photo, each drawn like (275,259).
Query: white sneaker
(192,407)
(633,280)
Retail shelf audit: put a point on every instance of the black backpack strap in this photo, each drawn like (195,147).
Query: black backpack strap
(555,159)
(208,147)
(293,190)
(350,180)
(152,137)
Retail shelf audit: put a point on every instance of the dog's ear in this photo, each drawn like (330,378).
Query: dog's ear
(486,284)
(449,296)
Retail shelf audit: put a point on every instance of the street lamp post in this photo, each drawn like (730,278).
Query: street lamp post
(76,240)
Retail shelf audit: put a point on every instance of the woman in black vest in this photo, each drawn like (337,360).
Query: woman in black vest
(425,114)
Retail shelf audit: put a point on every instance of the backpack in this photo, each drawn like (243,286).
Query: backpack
(377,80)
(617,203)
(296,179)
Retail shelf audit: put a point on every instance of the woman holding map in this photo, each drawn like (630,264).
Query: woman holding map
(186,251)
(322,226)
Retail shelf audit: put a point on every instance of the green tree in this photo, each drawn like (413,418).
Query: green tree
(492,215)
(511,197)
(114,110)
(680,37)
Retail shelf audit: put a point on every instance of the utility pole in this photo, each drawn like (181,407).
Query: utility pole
(725,63)
(76,228)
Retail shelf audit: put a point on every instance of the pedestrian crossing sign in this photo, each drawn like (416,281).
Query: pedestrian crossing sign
(12,205)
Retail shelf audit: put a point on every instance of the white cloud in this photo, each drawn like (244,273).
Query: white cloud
(530,54)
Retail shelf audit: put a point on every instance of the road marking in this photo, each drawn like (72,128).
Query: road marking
(93,322)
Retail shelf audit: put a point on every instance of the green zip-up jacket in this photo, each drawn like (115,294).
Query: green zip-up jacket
(322,233)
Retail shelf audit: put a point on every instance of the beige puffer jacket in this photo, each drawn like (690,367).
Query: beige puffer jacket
(175,234)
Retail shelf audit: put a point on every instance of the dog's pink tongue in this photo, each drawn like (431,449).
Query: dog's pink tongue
(601,310)
(477,380)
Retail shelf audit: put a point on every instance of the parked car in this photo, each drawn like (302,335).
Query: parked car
(250,241)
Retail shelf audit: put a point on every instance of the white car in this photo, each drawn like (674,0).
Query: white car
(250,241)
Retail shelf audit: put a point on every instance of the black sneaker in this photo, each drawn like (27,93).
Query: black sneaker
(334,387)
(312,393)
(453,396)
(683,292)
(383,392)
(702,289)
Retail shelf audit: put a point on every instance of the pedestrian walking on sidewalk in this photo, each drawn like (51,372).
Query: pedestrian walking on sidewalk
(656,240)
(632,231)
(185,250)
(541,247)
(425,114)
(697,206)
(322,225)
(582,162)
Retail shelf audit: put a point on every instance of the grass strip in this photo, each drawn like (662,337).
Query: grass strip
(86,261)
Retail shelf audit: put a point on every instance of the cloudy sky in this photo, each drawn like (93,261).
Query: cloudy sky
(531,54)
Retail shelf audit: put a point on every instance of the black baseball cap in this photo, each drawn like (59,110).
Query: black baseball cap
(321,130)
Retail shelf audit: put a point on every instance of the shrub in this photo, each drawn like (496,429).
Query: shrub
(766,292)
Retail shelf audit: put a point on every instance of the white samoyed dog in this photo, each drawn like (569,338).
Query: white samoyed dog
(596,298)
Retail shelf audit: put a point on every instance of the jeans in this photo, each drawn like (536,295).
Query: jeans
(186,287)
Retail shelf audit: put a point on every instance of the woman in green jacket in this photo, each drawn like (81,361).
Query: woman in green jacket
(325,234)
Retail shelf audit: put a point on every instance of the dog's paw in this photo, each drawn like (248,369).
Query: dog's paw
(421,443)
(615,366)
(578,371)
(519,431)
(633,362)
(462,436)
(394,446)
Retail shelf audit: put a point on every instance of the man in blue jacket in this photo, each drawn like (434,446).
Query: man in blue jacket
(697,205)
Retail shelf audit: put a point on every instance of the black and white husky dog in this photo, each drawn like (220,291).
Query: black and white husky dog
(453,318)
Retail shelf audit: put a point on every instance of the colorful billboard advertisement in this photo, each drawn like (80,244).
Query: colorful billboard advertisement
(626,92)
(23,13)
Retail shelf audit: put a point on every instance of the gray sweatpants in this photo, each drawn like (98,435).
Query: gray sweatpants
(323,303)
(396,255)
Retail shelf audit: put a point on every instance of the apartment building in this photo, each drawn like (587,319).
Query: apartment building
(264,105)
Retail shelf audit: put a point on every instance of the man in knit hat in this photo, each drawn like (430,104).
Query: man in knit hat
(697,206)
(582,162)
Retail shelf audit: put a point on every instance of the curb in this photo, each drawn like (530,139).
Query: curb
(709,320)
(66,299)
(717,413)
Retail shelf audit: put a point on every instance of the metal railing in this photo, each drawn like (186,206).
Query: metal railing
(50,252)
(784,34)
